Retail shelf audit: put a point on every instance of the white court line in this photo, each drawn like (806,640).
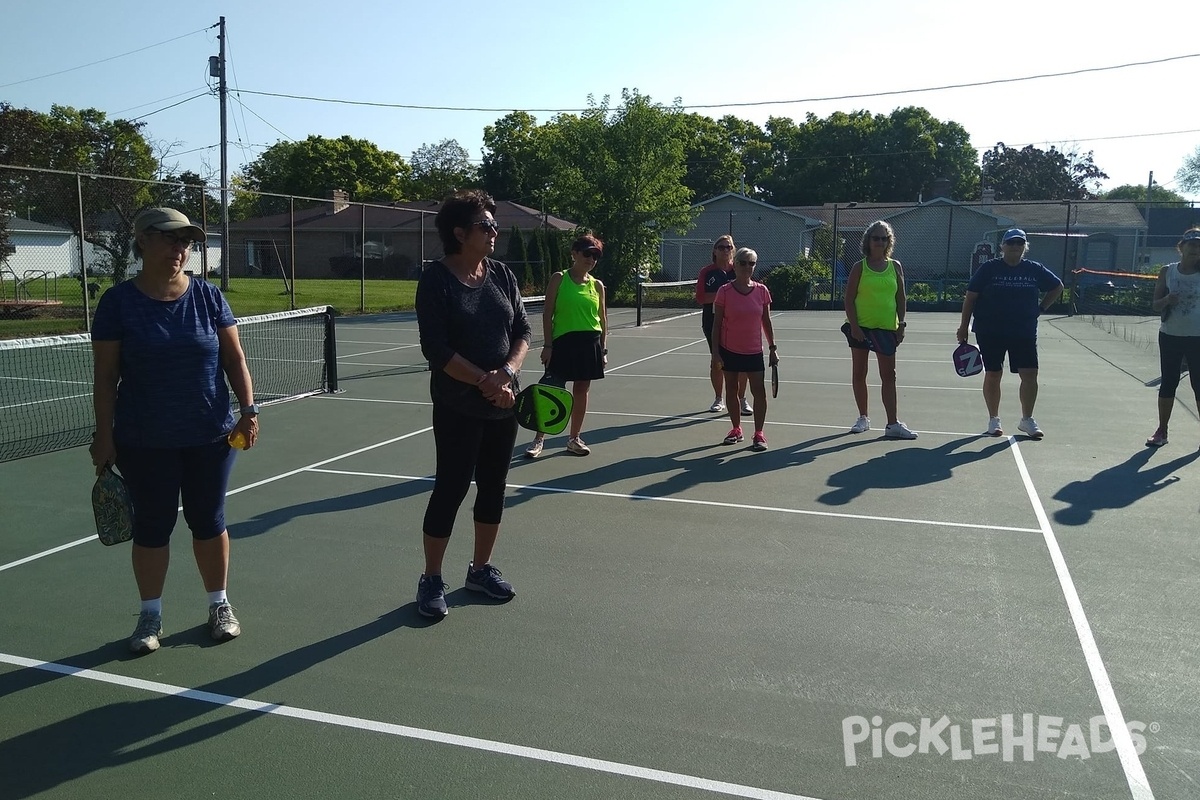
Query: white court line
(230,493)
(710,503)
(408,732)
(1135,776)
(47,400)
(971,388)
(391,349)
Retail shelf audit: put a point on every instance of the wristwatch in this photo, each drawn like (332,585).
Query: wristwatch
(902,324)
(604,351)
(509,371)
(250,410)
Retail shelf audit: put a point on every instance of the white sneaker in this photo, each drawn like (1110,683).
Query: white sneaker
(1029,426)
(746,407)
(717,407)
(535,448)
(898,430)
(994,427)
(861,425)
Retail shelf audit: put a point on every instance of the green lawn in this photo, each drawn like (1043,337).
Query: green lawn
(246,296)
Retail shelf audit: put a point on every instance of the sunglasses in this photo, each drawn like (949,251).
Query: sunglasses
(488,225)
(723,247)
(1015,242)
(881,238)
(747,263)
(172,240)
(590,252)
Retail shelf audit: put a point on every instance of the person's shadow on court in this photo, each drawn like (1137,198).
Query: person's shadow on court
(274,518)
(122,733)
(905,468)
(1118,486)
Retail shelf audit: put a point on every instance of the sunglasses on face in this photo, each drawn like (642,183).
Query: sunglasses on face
(723,247)
(172,240)
(1014,243)
(884,239)
(590,252)
(746,263)
(489,225)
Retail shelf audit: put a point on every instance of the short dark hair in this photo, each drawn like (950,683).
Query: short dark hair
(589,241)
(456,212)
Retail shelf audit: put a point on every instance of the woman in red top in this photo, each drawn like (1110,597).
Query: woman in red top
(741,314)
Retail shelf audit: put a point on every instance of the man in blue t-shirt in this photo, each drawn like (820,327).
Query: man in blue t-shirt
(1006,295)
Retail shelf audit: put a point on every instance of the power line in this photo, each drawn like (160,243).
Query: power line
(101,61)
(255,113)
(411,107)
(155,102)
(173,105)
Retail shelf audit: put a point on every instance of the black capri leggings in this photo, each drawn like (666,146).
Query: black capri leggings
(1171,352)
(468,446)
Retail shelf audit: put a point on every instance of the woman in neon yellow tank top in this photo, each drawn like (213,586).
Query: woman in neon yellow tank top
(875,309)
(575,325)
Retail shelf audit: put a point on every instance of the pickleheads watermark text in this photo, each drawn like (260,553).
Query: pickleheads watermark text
(1008,736)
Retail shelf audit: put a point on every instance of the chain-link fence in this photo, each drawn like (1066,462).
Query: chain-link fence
(66,237)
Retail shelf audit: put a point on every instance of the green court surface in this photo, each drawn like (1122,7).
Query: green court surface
(842,616)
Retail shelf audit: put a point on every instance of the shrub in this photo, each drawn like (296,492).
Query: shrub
(789,287)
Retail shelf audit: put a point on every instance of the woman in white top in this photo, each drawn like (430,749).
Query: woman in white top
(1177,298)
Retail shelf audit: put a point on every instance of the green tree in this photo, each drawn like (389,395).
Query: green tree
(753,148)
(620,172)
(1137,194)
(713,164)
(82,141)
(1034,174)
(514,160)
(315,166)
(871,158)
(1188,175)
(439,170)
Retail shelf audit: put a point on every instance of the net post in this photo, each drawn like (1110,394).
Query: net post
(640,297)
(331,376)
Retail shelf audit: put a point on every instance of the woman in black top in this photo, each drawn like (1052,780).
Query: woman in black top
(475,334)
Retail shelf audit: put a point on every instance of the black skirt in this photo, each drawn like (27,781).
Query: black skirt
(577,356)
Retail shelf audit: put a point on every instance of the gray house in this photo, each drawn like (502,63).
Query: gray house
(778,235)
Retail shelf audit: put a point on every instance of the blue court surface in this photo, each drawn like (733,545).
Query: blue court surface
(842,616)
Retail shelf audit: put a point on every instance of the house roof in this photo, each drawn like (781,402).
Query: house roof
(1166,225)
(406,217)
(794,211)
(21,225)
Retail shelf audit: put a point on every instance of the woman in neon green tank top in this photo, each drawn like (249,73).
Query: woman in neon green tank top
(575,325)
(875,309)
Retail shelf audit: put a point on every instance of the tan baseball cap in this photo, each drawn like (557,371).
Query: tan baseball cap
(167,219)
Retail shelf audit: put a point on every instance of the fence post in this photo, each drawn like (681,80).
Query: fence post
(83,275)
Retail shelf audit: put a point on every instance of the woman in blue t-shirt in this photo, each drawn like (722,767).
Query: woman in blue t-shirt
(164,344)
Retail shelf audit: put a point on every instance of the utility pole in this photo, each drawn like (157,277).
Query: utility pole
(1149,189)
(223,94)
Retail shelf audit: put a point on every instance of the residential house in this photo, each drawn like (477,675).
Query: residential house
(338,238)
(1165,227)
(778,235)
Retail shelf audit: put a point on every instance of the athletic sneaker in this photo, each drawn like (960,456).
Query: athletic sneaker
(487,579)
(746,407)
(718,406)
(535,448)
(145,635)
(577,446)
(994,427)
(734,436)
(898,430)
(1029,426)
(861,425)
(431,596)
(1158,439)
(222,624)
(760,441)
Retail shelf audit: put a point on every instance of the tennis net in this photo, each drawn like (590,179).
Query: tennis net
(535,306)
(665,300)
(47,402)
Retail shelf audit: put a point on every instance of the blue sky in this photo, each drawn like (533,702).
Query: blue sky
(537,54)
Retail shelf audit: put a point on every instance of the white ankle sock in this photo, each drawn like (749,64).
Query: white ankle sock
(217,597)
(153,606)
